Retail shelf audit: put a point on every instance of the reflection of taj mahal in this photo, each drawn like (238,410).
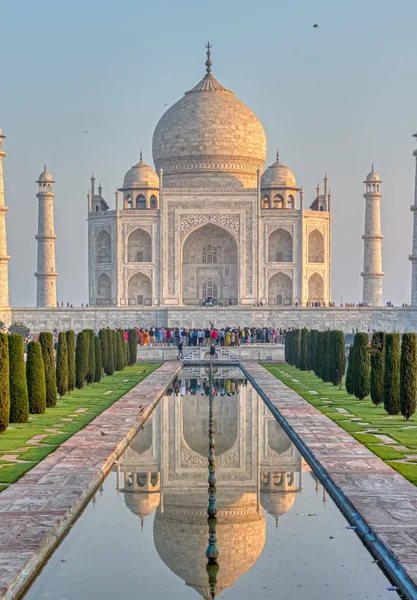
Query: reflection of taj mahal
(210,221)
(165,468)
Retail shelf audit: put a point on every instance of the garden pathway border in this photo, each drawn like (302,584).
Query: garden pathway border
(379,502)
(37,511)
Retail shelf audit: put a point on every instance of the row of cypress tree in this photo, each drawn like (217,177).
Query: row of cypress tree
(31,388)
(387,370)
(320,351)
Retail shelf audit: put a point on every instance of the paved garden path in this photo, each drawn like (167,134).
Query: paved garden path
(377,499)
(36,511)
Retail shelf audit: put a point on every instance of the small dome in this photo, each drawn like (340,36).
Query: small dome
(141,175)
(142,504)
(373,177)
(278,175)
(278,504)
(45,177)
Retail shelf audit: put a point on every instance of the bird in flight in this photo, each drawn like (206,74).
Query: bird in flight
(315,25)
(165,105)
(86,131)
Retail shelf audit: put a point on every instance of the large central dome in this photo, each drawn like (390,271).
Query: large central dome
(209,139)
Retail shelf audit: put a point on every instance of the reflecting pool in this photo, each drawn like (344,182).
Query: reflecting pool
(145,533)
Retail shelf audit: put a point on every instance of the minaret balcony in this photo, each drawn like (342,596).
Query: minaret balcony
(372,275)
(373,236)
(3,209)
(46,275)
(45,237)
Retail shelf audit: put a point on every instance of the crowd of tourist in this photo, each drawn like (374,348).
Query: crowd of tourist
(226,336)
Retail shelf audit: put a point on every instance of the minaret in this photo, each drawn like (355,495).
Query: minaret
(4,258)
(413,256)
(46,274)
(372,257)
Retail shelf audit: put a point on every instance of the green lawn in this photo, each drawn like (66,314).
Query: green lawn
(61,422)
(364,421)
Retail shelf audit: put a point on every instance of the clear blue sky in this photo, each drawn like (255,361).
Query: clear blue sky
(337,98)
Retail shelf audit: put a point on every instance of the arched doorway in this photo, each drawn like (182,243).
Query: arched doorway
(316,247)
(280,290)
(280,246)
(103,295)
(139,290)
(210,264)
(139,246)
(316,288)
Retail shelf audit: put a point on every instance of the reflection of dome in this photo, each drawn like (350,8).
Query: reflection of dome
(278,440)
(278,176)
(209,138)
(141,503)
(278,504)
(141,175)
(180,537)
(143,441)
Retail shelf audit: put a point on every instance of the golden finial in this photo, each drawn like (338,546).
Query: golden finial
(208,61)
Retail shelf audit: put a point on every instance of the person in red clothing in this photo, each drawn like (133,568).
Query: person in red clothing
(214,336)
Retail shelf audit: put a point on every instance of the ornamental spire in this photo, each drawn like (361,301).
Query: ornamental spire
(277,156)
(208,61)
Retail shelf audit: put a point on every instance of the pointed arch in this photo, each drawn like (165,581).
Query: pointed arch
(140,202)
(316,247)
(280,246)
(139,290)
(103,290)
(316,288)
(139,246)
(280,290)
(278,201)
(103,247)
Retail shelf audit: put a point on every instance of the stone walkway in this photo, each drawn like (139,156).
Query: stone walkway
(380,502)
(36,511)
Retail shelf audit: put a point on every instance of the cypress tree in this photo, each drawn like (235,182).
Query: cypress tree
(361,366)
(89,376)
(19,399)
(47,343)
(318,369)
(304,350)
(70,335)
(103,344)
(35,377)
(114,338)
(99,367)
(81,359)
(408,375)
(392,373)
(133,347)
(286,345)
(109,366)
(4,383)
(326,349)
(338,358)
(350,375)
(312,347)
(120,351)
(297,348)
(62,364)
(377,367)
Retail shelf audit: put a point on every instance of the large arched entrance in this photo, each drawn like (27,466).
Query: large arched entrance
(280,290)
(210,266)
(139,290)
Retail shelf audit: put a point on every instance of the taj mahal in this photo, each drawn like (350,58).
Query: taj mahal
(210,220)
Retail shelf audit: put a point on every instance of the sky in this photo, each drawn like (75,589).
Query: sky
(335,98)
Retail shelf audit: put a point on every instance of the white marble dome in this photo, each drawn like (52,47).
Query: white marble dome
(209,138)
(45,177)
(373,177)
(278,176)
(141,175)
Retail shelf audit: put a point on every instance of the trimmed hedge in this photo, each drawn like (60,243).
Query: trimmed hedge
(47,343)
(120,351)
(81,359)
(350,374)
(304,349)
(133,347)
(392,373)
(312,348)
(103,344)
(361,365)
(4,383)
(326,350)
(35,377)
(338,357)
(408,375)
(70,335)
(318,369)
(98,372)
(19,399)
(91,368)
(62,365)
(377,367)
(297,348)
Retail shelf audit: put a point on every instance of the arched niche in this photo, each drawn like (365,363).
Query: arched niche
(195,423)
(103,292)
(280,290)
(280,246)
(316,288)
(103,247)
(154,201)
(209,260)
(278,201)
(291,201)
(140,202)
(266,202)
(316,247)
(139,290)
(139,246)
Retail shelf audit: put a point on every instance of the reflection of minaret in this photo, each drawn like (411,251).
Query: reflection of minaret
(212,551)
(4,258)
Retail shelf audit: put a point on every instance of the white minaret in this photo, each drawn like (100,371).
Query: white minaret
(4,258)
(372,256)
(46,275)
(413,256)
